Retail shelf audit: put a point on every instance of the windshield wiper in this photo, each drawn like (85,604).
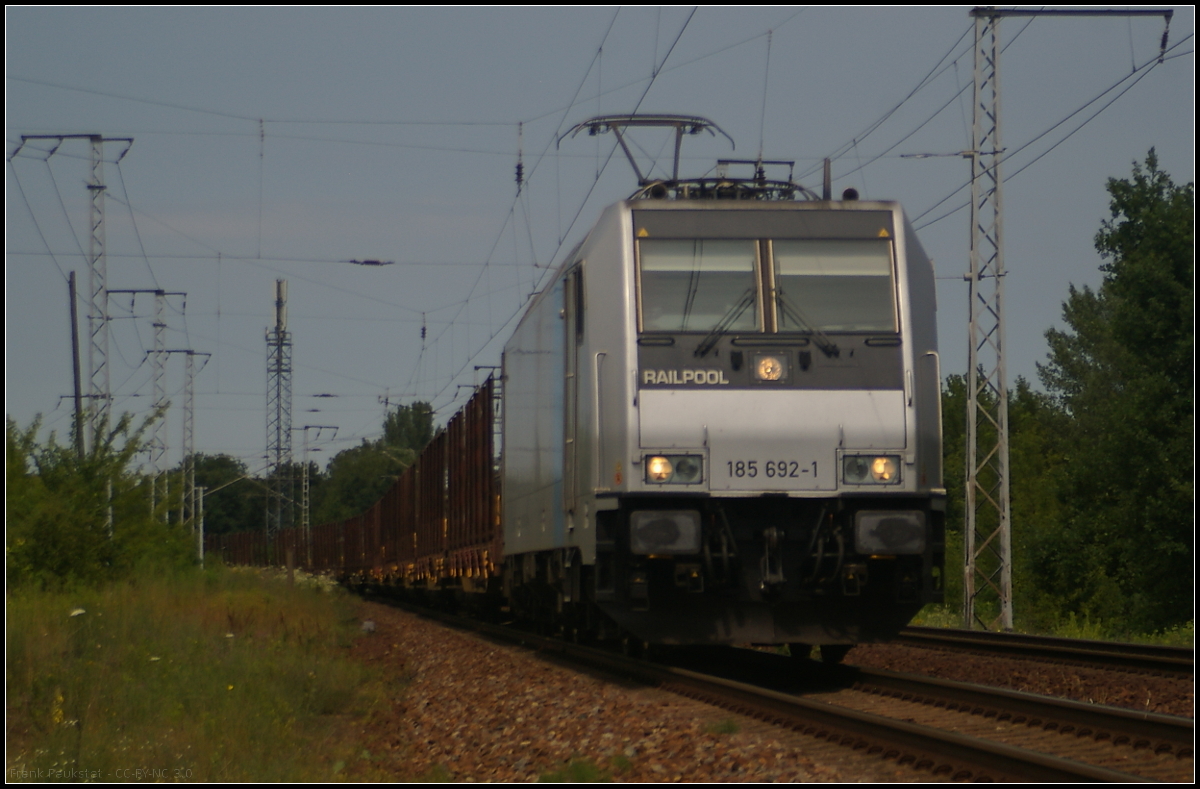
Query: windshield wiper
(793,314)
(730,318)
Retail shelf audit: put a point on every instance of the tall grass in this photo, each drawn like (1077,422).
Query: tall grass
(205,676)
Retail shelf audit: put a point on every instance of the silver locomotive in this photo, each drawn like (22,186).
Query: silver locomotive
(721,423)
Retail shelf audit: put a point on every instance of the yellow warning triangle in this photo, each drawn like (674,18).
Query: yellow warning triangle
(642,233)
(883,233)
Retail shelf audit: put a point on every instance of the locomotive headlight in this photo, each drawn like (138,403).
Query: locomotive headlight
(658,469)
(770,367)
(885,469)
(871,469)
(675,469)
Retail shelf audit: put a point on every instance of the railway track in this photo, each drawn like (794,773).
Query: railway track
(1094,654)
(942,730)
(1145,745)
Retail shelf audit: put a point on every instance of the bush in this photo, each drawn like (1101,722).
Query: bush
(58,504)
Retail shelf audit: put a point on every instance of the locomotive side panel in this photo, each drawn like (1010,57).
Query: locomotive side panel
(606,424)
(534,368)
(921,292)
(568,386)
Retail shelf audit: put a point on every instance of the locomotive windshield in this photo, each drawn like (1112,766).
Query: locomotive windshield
(692,285)
(819,285)
(834,285)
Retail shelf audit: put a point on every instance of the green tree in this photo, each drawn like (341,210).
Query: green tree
(233,502)
(356,478)
(1123,371)
(1037,425)
(1037,429)
(409,427)
(57,509)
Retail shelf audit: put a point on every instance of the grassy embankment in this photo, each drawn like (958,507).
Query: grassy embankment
(213,676)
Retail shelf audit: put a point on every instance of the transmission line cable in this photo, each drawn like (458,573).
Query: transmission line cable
(37,226)
(587,197)
(133,222)
(533,169)
(1144,70)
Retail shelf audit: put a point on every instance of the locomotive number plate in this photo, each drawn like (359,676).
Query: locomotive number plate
(787,469)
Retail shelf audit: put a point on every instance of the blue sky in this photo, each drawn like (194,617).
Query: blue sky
(282,142)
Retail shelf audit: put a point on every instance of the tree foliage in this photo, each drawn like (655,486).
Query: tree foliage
(1101,466)
(57,512)
(1123,372)
(409,427)
(1037,426)
(233,502)
(358,477)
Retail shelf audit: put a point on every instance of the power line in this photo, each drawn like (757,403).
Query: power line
(587,197)
(133,222)
(532,170)
(240,117)
(37,226)
(932,74)
(1144,70)
(218,256)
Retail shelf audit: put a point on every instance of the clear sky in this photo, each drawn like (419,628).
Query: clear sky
(282,142)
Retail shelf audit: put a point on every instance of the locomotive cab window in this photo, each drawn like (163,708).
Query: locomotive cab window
(834,285)
(695,285)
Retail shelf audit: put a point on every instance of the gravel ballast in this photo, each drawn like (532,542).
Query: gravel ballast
(469,709)
(474,710)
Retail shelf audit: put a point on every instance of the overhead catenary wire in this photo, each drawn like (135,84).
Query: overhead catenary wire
(33,217)
(254,261)
(582,204)
(932,74)
(532,170)
(66,215)
(252,118)
(1137,76)
(133,223)
(537,162)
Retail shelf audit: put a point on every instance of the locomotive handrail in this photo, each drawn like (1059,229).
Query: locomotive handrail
(723,188)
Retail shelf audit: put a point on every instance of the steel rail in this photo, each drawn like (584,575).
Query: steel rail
(1141,657)
(911,742)
(1154,729)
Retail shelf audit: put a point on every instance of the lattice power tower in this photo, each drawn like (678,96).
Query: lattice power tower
(987,529)
(279,415)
